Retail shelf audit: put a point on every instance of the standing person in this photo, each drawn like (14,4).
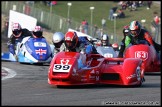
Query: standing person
(149,4)
(111,12)
(6,27)
(57,40)
(103,22)
(83,25)
(95,30)
(121,14)
(99,33)
(156,24)
(86,27)
(17,35)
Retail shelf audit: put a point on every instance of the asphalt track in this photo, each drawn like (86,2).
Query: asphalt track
(29,87)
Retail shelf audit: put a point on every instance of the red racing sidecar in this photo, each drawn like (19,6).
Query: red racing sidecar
(64,70)
(150,58)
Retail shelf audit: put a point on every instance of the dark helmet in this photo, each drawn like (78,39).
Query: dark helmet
(126,30)
(105,40)
(135,28)
(57,39)
(37,32)
(71,39)
(16,29)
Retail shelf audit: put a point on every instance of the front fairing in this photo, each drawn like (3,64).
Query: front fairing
(106,51)
(38,48)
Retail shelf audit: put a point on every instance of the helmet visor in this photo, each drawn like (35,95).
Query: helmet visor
(37,34)
(104,42)
(70,44)
(16,32)
(135,32)
(58,45)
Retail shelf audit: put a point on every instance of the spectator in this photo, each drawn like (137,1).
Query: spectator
(53,2)
(156,19)
(99,33)
(149,4)
(134,6)
(121,14)
(85,26)
(68,22)
(80,28)
(103,22)
(31,3)
(48,3)
(6,27)
(124,6)
(156,25)
(140,3)
(95,30)
(27,9)
(111,12)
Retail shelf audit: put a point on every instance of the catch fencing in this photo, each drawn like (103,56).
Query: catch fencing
(48,20)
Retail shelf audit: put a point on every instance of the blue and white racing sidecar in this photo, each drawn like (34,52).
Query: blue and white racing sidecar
(33,50)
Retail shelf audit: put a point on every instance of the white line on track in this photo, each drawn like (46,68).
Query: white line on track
(10,73)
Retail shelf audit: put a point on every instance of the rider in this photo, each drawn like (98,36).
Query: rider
(57,39)
(138,33)
(37,32)
(105,40)
(125,41)
(72,44)
(17,35)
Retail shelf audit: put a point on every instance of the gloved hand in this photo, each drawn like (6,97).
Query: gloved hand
(89,49)
(11,49)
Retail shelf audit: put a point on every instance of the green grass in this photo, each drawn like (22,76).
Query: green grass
(80,10)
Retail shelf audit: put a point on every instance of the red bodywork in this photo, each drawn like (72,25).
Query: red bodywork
(64,70)
(151,62)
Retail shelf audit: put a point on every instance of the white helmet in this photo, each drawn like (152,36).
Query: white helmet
(105,40)
(57,39)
